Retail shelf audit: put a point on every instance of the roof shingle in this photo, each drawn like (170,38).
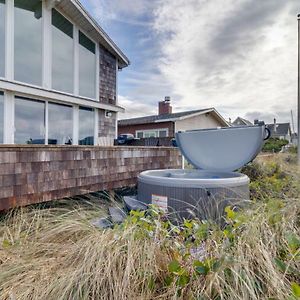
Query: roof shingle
(281,128)
(158,118)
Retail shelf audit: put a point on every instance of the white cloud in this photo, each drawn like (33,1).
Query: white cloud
(135,107)
(239,56)
(122,10)
(236,55)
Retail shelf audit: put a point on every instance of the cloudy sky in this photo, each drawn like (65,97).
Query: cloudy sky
(239,56)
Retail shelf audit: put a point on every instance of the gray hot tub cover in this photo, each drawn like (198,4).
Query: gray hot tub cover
(221,149)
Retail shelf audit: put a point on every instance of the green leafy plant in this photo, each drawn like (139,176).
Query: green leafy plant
(274,145)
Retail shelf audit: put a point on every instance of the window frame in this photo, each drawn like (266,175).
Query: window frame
(3,120)
(51,51)
(12,25)
(152,130)
(95,121)
(47,123)
(97,54)
(47,52)
(5,37)
(75,115)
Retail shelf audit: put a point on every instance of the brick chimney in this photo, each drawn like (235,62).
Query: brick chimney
(164,107)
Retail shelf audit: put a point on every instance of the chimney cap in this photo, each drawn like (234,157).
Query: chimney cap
(167,98)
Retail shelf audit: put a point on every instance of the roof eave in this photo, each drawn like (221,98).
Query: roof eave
(204,112)
(122,58)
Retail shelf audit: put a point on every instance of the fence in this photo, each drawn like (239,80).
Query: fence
(150,142)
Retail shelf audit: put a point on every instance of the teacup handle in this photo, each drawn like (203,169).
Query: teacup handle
(268,133)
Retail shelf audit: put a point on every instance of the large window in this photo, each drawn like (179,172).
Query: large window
(152,133)
(2,38)
(35,120)
(29,121)
(1,116)
(60,120)
(87,67)
(86,126)
(28,41)
(62,53)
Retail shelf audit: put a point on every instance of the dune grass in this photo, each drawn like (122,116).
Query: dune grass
(56,253)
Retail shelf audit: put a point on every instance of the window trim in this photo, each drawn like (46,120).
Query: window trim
(95,132)
(97,54)
(5,37)
(47,51)
(50,34)
(9,117)
(76,30)
(2,94)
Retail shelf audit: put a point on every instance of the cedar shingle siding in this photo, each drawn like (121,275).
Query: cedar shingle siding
(32,174)
(107,126)
(108,80)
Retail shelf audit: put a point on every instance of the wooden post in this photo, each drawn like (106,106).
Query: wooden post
(298,117)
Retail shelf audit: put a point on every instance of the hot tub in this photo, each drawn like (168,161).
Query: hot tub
(193,193)
(205,191)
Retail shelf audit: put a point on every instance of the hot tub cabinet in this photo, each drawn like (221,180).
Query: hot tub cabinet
(205,191)
(193,193)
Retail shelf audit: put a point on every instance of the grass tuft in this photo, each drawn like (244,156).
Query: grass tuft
(56,253)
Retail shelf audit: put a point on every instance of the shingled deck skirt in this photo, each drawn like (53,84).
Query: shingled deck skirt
(37,173)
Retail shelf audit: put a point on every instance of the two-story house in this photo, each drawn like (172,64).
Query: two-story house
(58,75)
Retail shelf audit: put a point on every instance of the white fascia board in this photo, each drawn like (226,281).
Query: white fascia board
(45,94)
(221,118)
(166,120)
(183,117)
(96,26)
(194,115)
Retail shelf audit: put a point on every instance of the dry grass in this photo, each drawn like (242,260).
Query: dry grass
(55,253)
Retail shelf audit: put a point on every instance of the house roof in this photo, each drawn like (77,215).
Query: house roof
(241,121)
(75,10)
(168,117)
(281,128)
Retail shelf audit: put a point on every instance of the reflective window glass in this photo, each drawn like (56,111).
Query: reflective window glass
(62,53)
(140,135)
(29,121)
(1,116)
(149,134)
(60,124)
(162,133)
(87,67)
(2,38)
(28,41)
(86,126)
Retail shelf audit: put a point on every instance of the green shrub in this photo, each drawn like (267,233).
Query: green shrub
(274,145)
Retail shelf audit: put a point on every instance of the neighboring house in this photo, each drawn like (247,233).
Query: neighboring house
(241,122)
(280,130)
(58,75)
(166,123)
